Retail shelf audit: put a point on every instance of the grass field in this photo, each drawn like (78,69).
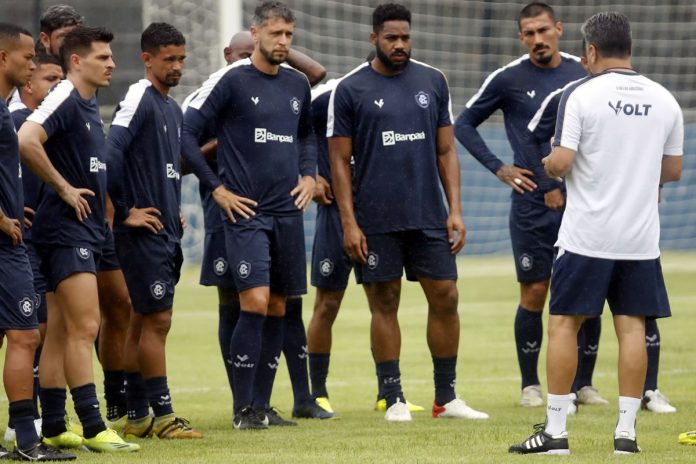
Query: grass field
(488,379)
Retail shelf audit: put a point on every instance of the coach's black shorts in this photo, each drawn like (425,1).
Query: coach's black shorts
(39,283)
(59,262)
(580,285)
(17,295)
(151,265)
(215,269)
(109,258)
(331,265)
(267,250)
(421,253)
(533,232)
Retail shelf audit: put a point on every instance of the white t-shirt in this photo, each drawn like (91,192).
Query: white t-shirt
(620,124)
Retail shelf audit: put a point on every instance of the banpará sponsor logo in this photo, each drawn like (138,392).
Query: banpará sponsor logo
(172,173)
(392,138)
(262,135)
(95,165)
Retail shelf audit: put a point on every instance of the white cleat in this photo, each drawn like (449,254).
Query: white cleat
(590,396)
(398,412)
(457,409)
(573,405)
(655,401)
(531,397)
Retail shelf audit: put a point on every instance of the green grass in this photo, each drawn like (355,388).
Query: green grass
(488,379)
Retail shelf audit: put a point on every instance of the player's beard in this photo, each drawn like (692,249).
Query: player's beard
(543,59)
(388,63)
(272,59)
(172,80)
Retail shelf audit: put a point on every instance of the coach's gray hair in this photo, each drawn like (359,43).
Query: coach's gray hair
(610,33)
(268,10)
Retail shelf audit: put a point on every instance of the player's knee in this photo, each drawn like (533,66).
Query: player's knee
(444,300)
(327,307)
(533,296)
(227,296)
(158,324)
(83,329)
(25,340)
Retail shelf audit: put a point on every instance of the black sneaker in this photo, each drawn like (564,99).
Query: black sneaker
(248,419)
(311,410)
(542,443)
(623,444)
(274,419)
(3,452)
(40,452)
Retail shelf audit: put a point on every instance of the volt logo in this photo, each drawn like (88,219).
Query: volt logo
(630,109)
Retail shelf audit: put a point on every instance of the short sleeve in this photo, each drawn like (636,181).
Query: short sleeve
(569,122)
(339,121)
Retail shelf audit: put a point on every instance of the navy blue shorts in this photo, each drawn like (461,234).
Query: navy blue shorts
(151,265)
(17,295)
(215,269)
(422,253)
(39,283)
(109,257)
(331,265)
(59,262)
(268,251)
(581,284)
(533,232)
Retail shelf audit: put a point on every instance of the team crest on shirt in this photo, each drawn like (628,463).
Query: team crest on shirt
(158,289)
(423,99)
(326,267)
(372,260)
(526,262)
(244,269)
(26,306)
(83,253)
(219,266)
(295,105)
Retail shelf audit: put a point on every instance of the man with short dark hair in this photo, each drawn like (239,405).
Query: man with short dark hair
(62,142)
(619,135)
(518,89)
(18,319)
(266,151)
(393,116)
(143,151)
(55,23)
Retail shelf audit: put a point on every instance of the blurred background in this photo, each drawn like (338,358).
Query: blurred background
(467,40)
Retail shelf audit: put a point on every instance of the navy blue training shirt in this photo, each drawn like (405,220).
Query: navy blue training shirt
(264,128)
(11,195)
(75,146)
(320,109)
(518,90)
(393,123)
(143,151)
(30,182)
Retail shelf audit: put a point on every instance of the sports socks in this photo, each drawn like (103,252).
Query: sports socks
(529,333)
(269,359)
(87,409)
(556,413)
(628,409)
(37,387)
(295,350)
(445,375)
(318,371)
(158,394)
(52,411)
(22,418)
(136,396)
(389,377)
(245,350)
(652,344)
(115,394)
(229,314)
(588,345)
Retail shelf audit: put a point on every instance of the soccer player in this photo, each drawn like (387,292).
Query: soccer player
(215,270)
(393,116)
(536,208)
(62,142)
(47,74)
(143,151)
(18,307)
(541,128)
(55,23)
(619,136)
(262,112)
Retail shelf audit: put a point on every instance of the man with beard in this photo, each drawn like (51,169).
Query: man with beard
(261,108)
(62,143)
(536,210)
(393,115)
(143,153)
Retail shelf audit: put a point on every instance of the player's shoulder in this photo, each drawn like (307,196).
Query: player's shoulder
(61,96)
(357,74)
(18,106)
(325,89)
(510,70)
(135,95)
(229,72)
(293,74)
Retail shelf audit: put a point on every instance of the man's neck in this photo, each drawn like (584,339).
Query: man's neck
(85,89)
(262,64)
(161,88)
(380,68)
(5,88)
(28,102)
(605,64)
